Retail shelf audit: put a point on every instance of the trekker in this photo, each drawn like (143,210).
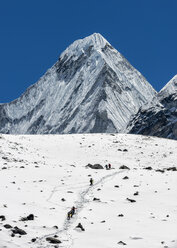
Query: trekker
(69,215)
(91,181)
(106,166)
(109,166)
(73,210)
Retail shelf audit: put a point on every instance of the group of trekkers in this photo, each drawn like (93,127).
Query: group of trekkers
(73,209)
(108,166)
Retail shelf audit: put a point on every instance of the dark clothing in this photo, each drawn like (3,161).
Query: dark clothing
(69,215)
(73,210)
(91,181)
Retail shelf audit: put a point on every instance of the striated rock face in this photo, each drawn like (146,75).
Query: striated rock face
(92,88)
(160,119)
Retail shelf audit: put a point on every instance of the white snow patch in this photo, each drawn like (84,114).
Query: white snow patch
(38,171)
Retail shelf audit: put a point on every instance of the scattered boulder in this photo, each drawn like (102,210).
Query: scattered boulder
(5,158)
(120,215)
(7,226)
(29,217)
(148,168)
(33,240)
(72,165)
(116,186)
(124,167)
(131,200)
(136,238)
(172,169)
(96,199)
(2,217)
(17,230)
(53,240)
(121,243)
(159,170)
(95,166)
(56,227)
(80,227)
(136,193)
(63,199)
(125,178)
(125,150)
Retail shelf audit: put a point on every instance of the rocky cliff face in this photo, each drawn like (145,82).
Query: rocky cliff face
(160,119)
(91,88)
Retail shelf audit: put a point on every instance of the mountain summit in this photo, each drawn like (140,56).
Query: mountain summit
(91,88)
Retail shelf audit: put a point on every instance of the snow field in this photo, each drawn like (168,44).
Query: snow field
(41,170)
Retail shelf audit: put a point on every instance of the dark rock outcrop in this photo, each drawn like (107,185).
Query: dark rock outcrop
(2,217)
(7,226)
(17,230)
(79,226)
(131,200)
(124,167)
(53,240)
(95,166)
(29,217)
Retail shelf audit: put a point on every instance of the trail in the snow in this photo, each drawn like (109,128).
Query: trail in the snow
(79,206)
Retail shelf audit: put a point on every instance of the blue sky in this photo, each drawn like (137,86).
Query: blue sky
(33,33)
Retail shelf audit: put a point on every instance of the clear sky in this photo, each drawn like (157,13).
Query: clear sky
(33,33)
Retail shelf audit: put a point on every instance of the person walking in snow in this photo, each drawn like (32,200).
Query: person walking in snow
(73,210)
(91,181)
(109,166)
(69,215)
(106,166)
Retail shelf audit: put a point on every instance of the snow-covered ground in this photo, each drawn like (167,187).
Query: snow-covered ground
(46,175)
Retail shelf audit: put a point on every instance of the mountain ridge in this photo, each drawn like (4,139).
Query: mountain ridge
(160,118)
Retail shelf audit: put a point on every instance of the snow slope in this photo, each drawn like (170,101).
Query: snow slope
(92,88)
(37,172)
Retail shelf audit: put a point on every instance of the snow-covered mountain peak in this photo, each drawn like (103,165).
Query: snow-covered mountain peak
(170,87)
(92,88)
(95,41)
